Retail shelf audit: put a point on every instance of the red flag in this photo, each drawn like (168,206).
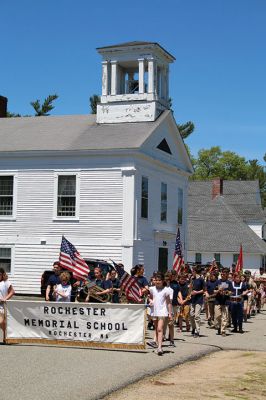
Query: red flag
(178,257)
(239,264)
(70,259)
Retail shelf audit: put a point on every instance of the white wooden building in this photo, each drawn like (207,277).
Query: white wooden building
(114,184)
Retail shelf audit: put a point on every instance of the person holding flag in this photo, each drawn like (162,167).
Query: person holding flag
(129,285)
(239,264)
(178,260)
(69,258)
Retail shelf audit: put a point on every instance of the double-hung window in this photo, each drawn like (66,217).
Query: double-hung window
(144,197)
(67,196)
(7,196)
(163,202)
(180,206)
(5,258)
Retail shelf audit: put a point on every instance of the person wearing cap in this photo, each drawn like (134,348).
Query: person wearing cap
(238,290)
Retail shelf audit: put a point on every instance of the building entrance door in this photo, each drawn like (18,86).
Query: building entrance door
(163,260)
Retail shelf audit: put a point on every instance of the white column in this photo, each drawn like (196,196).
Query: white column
(151,86)
(167,83)
(113,77)
(128,174)
(141,75)
(104,78)
(164,82)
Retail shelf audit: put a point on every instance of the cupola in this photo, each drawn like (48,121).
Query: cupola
(135,82)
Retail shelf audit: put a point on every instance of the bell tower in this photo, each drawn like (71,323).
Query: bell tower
(135,82)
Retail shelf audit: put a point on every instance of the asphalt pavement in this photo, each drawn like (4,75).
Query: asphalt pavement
(32,371)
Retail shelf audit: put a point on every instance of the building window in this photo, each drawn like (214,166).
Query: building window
(217,257)
(144,197)
(235,258)
(198,258)
(163,202)
(66,196)
(5,258)
(180,206)
(6,195)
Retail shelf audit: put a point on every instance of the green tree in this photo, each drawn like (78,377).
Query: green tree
(228,165)
(205,164)
(94,100)
(12,115)
(257,171)
(46,107)
(186,129)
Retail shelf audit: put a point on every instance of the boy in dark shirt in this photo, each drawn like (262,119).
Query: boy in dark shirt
(100,282)
(53,280)
(184,300)
(211,285)
(221,312)
(239,289)
(198,289)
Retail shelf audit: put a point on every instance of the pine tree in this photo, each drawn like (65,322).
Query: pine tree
(46,107)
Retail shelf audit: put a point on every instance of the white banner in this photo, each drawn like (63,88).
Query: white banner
(78,322)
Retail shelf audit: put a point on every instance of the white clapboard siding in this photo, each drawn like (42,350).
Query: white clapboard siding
(97,234)
(31,261)
(101,207)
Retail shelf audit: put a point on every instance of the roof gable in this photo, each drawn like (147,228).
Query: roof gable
(166,136)
(216,227)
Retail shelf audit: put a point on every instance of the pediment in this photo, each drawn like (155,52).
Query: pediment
(166,144)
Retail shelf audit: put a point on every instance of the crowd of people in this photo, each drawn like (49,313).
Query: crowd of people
(227,298)
(174,300)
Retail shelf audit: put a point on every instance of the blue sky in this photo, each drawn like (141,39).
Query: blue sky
(218,80)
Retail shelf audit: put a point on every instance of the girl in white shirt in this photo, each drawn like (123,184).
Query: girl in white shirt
(62,291)
(161,308)
(6,292)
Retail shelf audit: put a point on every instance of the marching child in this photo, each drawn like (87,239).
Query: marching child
(184,300)
(161,308)
(6,292)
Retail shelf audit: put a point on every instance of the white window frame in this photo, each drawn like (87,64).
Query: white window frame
(141,198)
(14,208)
(180,206)
(66,218)
(161,203)
(12,247)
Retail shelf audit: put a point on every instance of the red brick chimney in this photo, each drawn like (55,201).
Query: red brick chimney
(217,187)
(3,106)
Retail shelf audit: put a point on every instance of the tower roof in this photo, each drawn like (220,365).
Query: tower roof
(137,44)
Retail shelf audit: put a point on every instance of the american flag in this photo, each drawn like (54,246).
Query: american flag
(70,259)
(129,285)
(178,257)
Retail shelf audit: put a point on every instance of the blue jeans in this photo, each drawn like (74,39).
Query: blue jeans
(237,314)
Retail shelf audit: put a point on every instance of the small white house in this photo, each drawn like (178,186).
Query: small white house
(114,184)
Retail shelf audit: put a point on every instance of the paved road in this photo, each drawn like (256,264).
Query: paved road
(31,372)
